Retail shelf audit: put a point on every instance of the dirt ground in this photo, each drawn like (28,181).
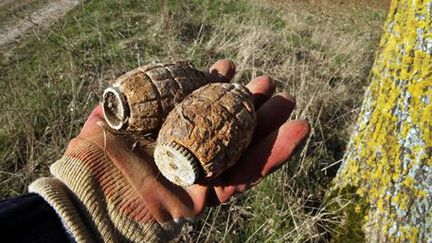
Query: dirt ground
(20,25)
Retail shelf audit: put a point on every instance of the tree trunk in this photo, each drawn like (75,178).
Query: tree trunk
(386,175)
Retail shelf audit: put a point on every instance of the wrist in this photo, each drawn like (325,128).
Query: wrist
(90,193)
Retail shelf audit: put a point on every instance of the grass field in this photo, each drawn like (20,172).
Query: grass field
(319,52)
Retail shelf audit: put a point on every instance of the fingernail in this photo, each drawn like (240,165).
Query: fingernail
(224,68)
(267,79)
(265,82)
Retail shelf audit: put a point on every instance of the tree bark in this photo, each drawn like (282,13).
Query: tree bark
(386,175)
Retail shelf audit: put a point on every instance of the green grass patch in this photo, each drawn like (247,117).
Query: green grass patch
(322,56)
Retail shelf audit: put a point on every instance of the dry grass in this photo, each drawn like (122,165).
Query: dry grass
(319,53)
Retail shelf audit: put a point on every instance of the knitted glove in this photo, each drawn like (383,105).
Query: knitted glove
(106,189)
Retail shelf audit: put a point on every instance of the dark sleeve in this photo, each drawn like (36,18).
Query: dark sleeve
(28,218)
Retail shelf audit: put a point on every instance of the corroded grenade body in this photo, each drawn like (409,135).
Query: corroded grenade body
(206,133)
(138,101)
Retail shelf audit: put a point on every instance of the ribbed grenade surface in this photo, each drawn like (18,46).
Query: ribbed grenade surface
(138,101)
(212,127)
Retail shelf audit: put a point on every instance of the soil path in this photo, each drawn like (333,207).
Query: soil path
(4,2)
(40,18)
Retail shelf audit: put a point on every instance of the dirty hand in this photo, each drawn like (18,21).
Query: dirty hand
(118,191)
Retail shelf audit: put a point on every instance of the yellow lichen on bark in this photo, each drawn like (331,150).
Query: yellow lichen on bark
(388,162)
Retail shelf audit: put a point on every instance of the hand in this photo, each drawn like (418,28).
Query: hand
(118,183)
(274,142)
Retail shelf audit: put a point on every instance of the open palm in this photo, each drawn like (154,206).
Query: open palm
(275,139)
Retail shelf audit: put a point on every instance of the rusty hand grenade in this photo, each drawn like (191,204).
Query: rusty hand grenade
(206,133)
(138,101)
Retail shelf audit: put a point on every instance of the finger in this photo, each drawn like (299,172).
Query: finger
(262,158)
(96,114)
(223,70)
(92,126)
(291,135)
(273,114)
(198,194)
(262,89)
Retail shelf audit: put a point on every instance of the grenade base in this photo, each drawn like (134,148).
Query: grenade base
(177,163)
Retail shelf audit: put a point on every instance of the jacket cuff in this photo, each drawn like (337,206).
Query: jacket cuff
(95,201)
(56,194)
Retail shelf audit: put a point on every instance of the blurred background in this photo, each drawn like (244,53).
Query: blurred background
(58,55)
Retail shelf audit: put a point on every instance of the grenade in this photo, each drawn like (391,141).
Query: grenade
(206,133)
(138,101)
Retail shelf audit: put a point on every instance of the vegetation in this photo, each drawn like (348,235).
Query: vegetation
(322,54)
